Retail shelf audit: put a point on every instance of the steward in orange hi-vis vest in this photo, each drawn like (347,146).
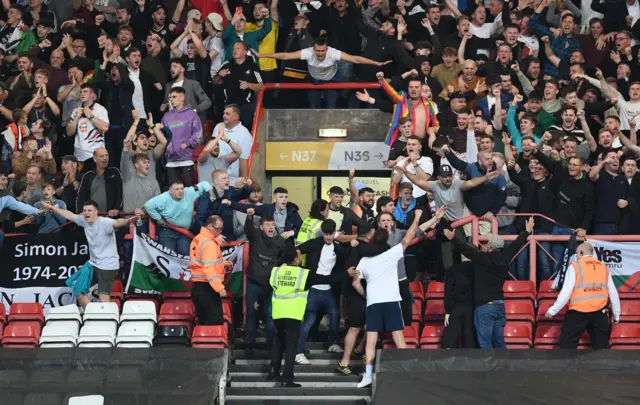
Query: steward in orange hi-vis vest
(207,273)
(590,290)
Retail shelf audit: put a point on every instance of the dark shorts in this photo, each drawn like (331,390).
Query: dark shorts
(356,310)
(104,278)
(384,317)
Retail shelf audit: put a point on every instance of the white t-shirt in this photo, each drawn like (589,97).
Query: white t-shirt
(138,98)
(426,164)
(326,69)
(326,264)
(101,237)
(486,30)
(211,44)
(242,137)
(381,274)
(88,137)
(628,111)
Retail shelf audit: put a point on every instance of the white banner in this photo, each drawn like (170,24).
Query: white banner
(622,259)
(49,297)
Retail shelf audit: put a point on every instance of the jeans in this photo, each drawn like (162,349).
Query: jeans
(316,300)
(262,295)
(543,264)
(603,228)
(558,248)
(490,320)
(174,240)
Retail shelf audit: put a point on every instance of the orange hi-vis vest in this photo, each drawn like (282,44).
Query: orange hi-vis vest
(207,262)
(590,292)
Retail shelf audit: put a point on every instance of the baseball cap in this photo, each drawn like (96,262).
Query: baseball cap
(194,14)
(494,242)
(46,22)
(157,7)
(445,170)
(216,20)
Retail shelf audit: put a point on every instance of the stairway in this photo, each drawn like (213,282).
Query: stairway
(247,385)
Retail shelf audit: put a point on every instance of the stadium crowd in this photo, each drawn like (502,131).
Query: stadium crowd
(497,108)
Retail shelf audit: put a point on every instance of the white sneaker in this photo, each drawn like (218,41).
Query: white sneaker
(335,348)
(302,359)
(325,322)
(366,381)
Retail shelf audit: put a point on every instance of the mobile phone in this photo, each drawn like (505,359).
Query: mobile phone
(238,10)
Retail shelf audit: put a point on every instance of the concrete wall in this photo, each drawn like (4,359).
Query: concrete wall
(303,125)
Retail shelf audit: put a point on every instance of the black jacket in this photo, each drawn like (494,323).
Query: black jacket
(117,98)
(458,286)
(537,197)
(575,200)
(292,223)
(313,249)
(113,184)
(265,253)
(490,268)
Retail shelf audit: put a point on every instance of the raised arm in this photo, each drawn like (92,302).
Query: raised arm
(415,179)
(279,55)
(66,214)
(635,149)
(411,233)
(476,181)
(593,145)
(360,60)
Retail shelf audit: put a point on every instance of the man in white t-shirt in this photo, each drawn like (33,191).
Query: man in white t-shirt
(103,248)
(422,166)
(88,124)
(384,313)
(323,66)
(241,136)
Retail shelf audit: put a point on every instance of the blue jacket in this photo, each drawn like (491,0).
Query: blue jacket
(490,196)
(50,220)
(206,208)
(292,223)
(483,104)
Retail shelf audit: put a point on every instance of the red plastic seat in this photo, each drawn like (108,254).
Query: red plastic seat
(117,289)
(416,311)
(543,307)
(210,336)
(23,311)
(434,312)
(547,336)
(177,311)
(519,290)
(631,287)
(431,337)
(22,333)
(435,291)
(410,338)
(176,295)
(519,310)
(623,334)
(417,290)
(630,310)
(546,292)
(518,335)
(416,327)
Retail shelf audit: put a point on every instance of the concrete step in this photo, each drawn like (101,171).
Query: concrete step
(259,371)
(311,381)
(239,345)
(318,395)
(262,357)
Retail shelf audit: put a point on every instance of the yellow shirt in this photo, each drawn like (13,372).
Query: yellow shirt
(267,45)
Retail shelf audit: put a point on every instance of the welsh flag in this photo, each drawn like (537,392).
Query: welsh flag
(156,269)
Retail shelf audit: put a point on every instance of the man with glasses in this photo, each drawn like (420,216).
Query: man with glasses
(207,272)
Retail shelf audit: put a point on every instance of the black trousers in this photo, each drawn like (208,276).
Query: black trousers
(287,336)
(461,317)
(181,172)
(595,323)
(407,301)
(208,304)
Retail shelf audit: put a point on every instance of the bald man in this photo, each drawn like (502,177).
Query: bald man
(102,185)
(588,288)
(466,82)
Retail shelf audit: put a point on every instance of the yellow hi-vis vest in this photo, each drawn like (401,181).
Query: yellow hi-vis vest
(289,298)
(307,231)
